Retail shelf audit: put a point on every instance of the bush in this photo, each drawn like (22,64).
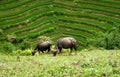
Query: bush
(25,52)
(6,47)
(25,44)
(108,40)
(44,38)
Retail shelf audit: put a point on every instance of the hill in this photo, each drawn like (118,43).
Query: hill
(80,19)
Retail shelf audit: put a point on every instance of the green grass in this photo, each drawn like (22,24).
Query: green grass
(87,5)
(18,20)
(7,2)
(22,9)
(87,10)
(95,63)
(14,5)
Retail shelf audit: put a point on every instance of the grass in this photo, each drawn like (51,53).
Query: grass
(14,4)
(95,63)
(7,2)
(86,5)
(21,10)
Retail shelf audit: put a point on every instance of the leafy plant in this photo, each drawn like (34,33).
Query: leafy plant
(6,47)
(25,44)
(26,52)
(44,38)
(108,40)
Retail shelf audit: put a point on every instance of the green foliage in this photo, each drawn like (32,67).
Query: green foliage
(107,40)
(26,52)
(6,47)
(25,44)
(44,38)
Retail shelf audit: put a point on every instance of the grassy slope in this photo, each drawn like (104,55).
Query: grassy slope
(76,18)
(95,63)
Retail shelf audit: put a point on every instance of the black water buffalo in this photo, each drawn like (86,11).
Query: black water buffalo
(65,43)
(42,47)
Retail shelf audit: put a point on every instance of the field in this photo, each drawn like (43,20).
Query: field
(94,63)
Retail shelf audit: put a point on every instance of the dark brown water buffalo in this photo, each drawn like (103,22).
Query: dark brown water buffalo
(42,47)
(65,43)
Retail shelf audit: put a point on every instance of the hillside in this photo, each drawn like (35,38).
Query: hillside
(80,19)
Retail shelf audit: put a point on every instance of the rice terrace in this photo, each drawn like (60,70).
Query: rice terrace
(74,38)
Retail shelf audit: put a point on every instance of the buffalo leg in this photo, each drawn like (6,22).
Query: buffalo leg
(42,51)
(39,52)
(60,50)
(70,50)
(48,49)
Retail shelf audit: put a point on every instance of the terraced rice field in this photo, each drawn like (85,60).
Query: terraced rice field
(80,19)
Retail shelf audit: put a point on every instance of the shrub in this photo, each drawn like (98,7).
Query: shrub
(25,44)
(44,38)
(6,47)
(25,52)
(108,40)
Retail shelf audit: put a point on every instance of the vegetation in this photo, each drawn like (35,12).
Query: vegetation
(80,19)
(97,63)
(93,23)
(6,47)
(108,40)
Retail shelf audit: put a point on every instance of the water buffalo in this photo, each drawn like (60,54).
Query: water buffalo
(65,43)
(42,47)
